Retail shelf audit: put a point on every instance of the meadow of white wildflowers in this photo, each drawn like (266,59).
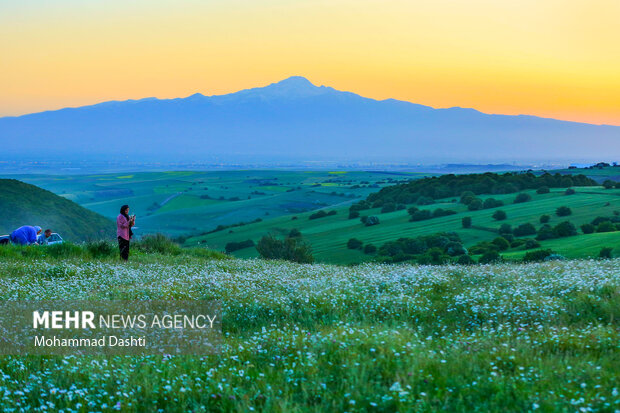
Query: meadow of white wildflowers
(506,337)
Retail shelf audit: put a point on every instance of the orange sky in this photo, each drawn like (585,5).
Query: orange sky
(549,58)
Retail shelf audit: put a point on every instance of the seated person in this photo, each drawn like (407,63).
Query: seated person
(43,239)
(25,235)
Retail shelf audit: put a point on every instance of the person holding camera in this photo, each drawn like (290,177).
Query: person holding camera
(124,222)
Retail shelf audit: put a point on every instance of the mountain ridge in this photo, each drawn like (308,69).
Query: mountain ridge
(294,118)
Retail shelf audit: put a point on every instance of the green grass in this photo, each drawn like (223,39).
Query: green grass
(188,213)
(320,338)
(328,236)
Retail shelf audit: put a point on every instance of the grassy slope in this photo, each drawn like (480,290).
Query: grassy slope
(25,204)
(187,212)
(328,236)
(502,338)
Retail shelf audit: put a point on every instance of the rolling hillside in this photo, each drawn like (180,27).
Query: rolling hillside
(328,236)
(25,204)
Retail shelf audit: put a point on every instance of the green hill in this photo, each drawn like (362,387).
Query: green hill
(328,236)
(25,204)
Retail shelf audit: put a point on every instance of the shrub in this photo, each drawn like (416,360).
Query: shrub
(490,257)
(101,249)
(294,233)
(475,205)
(563,211)
(467,197)
(517,243)
(354,244)
(524,230)
(353,214)
(290,249)
(587,228)
(421,215)
(543,190)
(369,220)
(499,215)
(544,219)
(538,255)
(440,212)
(454,248)
(522,197)
(465,260)
(389,207)
(608,184)
(321,214)
(235,246)
(530,244)
(369,249)
(425,200)
(492,203)
(569,191)
(605,226)
(545,232)
(505,229)
(158,243)
(501,243)
(564,229)
(466,222)
(605,252)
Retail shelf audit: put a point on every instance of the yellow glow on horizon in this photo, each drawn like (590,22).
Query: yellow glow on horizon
(548,58)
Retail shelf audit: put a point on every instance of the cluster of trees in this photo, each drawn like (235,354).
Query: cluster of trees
(234,246)
(437,249)
(602,224)
(609,184)
(322,214)
(289,249)
(356,244)
(423,214)
(424,191)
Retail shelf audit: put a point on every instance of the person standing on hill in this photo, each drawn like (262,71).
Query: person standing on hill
(25,235)
(124,222)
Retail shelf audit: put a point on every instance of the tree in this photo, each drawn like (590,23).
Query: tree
(490,257)
(605,253)
(290,249)
(524,230)
(499,215)
(466,222)
(354,244)
(354,214)
(605,226)
(564,229)
(465,260)
(608,184)
(475,204)
(370,249)
(501,243)
(545,232)
(569,191)
(294,233)
(587,228)
(544,219)
(522,197)
(563,211)
(531,244)
(505,229)
(492,203)
(543,190)
(370,220)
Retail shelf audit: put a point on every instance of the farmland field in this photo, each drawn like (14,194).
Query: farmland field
(509,337)
(186,202)
(246,205)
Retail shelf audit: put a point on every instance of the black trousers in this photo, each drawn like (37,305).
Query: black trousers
(123,247)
